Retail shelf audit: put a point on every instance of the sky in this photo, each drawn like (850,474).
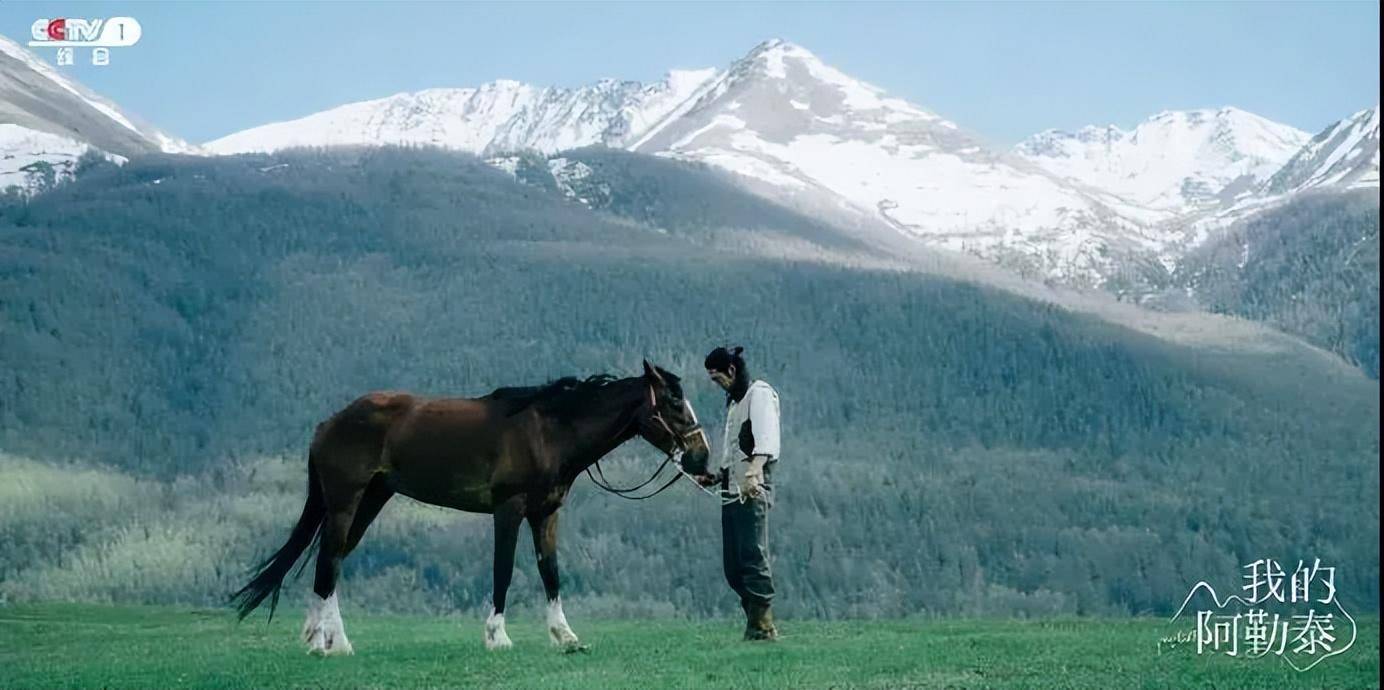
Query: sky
(1002,70)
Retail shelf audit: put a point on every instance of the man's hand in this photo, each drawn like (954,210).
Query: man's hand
(707,480)
(754,485)
(754,476)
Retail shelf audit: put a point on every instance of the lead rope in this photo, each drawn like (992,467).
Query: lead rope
(676,456)
(725,501)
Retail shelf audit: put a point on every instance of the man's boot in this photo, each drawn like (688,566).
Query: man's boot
(759,623)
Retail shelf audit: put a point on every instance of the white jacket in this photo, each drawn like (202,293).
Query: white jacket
(752,428)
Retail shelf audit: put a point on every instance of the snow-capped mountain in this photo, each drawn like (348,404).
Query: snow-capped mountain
(1076,208)
(1342,157)
(1346,154)
(497,117)
(1070,207)
(802,129)
(47,118)
(1174,163)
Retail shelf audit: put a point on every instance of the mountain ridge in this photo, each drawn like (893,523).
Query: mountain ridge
(1211,149)
(805,134)
(1101,207)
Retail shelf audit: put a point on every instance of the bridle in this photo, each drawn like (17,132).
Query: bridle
(674,455)
(680,444)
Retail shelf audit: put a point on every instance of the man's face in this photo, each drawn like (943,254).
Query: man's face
(724,379)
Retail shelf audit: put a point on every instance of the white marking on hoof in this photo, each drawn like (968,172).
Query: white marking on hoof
(559,633)
(495,635)
(313,619)
(323,631)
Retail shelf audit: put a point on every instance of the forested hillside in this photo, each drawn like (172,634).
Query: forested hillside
(176,327)
(1310,268)
(692,200)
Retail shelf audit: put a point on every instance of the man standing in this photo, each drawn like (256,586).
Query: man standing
(749,451)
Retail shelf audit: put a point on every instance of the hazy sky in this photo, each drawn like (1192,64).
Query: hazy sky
(1002,70)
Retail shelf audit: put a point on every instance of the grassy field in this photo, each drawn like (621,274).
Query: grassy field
(149,647)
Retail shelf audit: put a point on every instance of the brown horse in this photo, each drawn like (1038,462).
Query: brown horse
(513,453)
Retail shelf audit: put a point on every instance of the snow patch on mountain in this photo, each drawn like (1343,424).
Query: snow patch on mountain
(31,160)
(573,180)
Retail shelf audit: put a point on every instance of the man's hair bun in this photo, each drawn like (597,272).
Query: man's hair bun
(722,359)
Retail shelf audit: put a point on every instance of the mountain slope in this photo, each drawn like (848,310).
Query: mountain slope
(1344,155)
(692,201)
(36,96)
(33,161)
(706,206)
(496,117)
(47,121)
(1310,267)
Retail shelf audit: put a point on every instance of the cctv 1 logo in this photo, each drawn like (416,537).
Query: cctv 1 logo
(114,32)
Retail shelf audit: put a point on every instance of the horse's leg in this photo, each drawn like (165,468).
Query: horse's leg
(376,495)
(507,518)
(545,546)
(324,631)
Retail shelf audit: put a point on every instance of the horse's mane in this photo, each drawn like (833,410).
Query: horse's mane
(561,396)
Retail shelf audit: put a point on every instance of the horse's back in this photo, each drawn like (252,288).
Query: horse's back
(393,411)
(377,409)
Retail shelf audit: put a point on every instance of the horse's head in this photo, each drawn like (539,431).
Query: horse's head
(667,421)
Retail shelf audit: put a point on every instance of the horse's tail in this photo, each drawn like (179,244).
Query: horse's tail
(269,577)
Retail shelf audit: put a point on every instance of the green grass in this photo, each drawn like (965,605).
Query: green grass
(153,647)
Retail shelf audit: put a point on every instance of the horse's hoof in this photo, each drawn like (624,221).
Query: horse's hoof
(323,631)
(495,635)
(343,649)
(563,637)
(497,639)
(575,647)
(326,642)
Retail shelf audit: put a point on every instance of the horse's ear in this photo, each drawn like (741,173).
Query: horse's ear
(667,376)
(651,373)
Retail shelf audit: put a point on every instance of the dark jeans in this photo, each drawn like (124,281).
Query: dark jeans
(745,550)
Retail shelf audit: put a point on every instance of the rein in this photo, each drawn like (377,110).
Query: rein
(674,458)
(624,493)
